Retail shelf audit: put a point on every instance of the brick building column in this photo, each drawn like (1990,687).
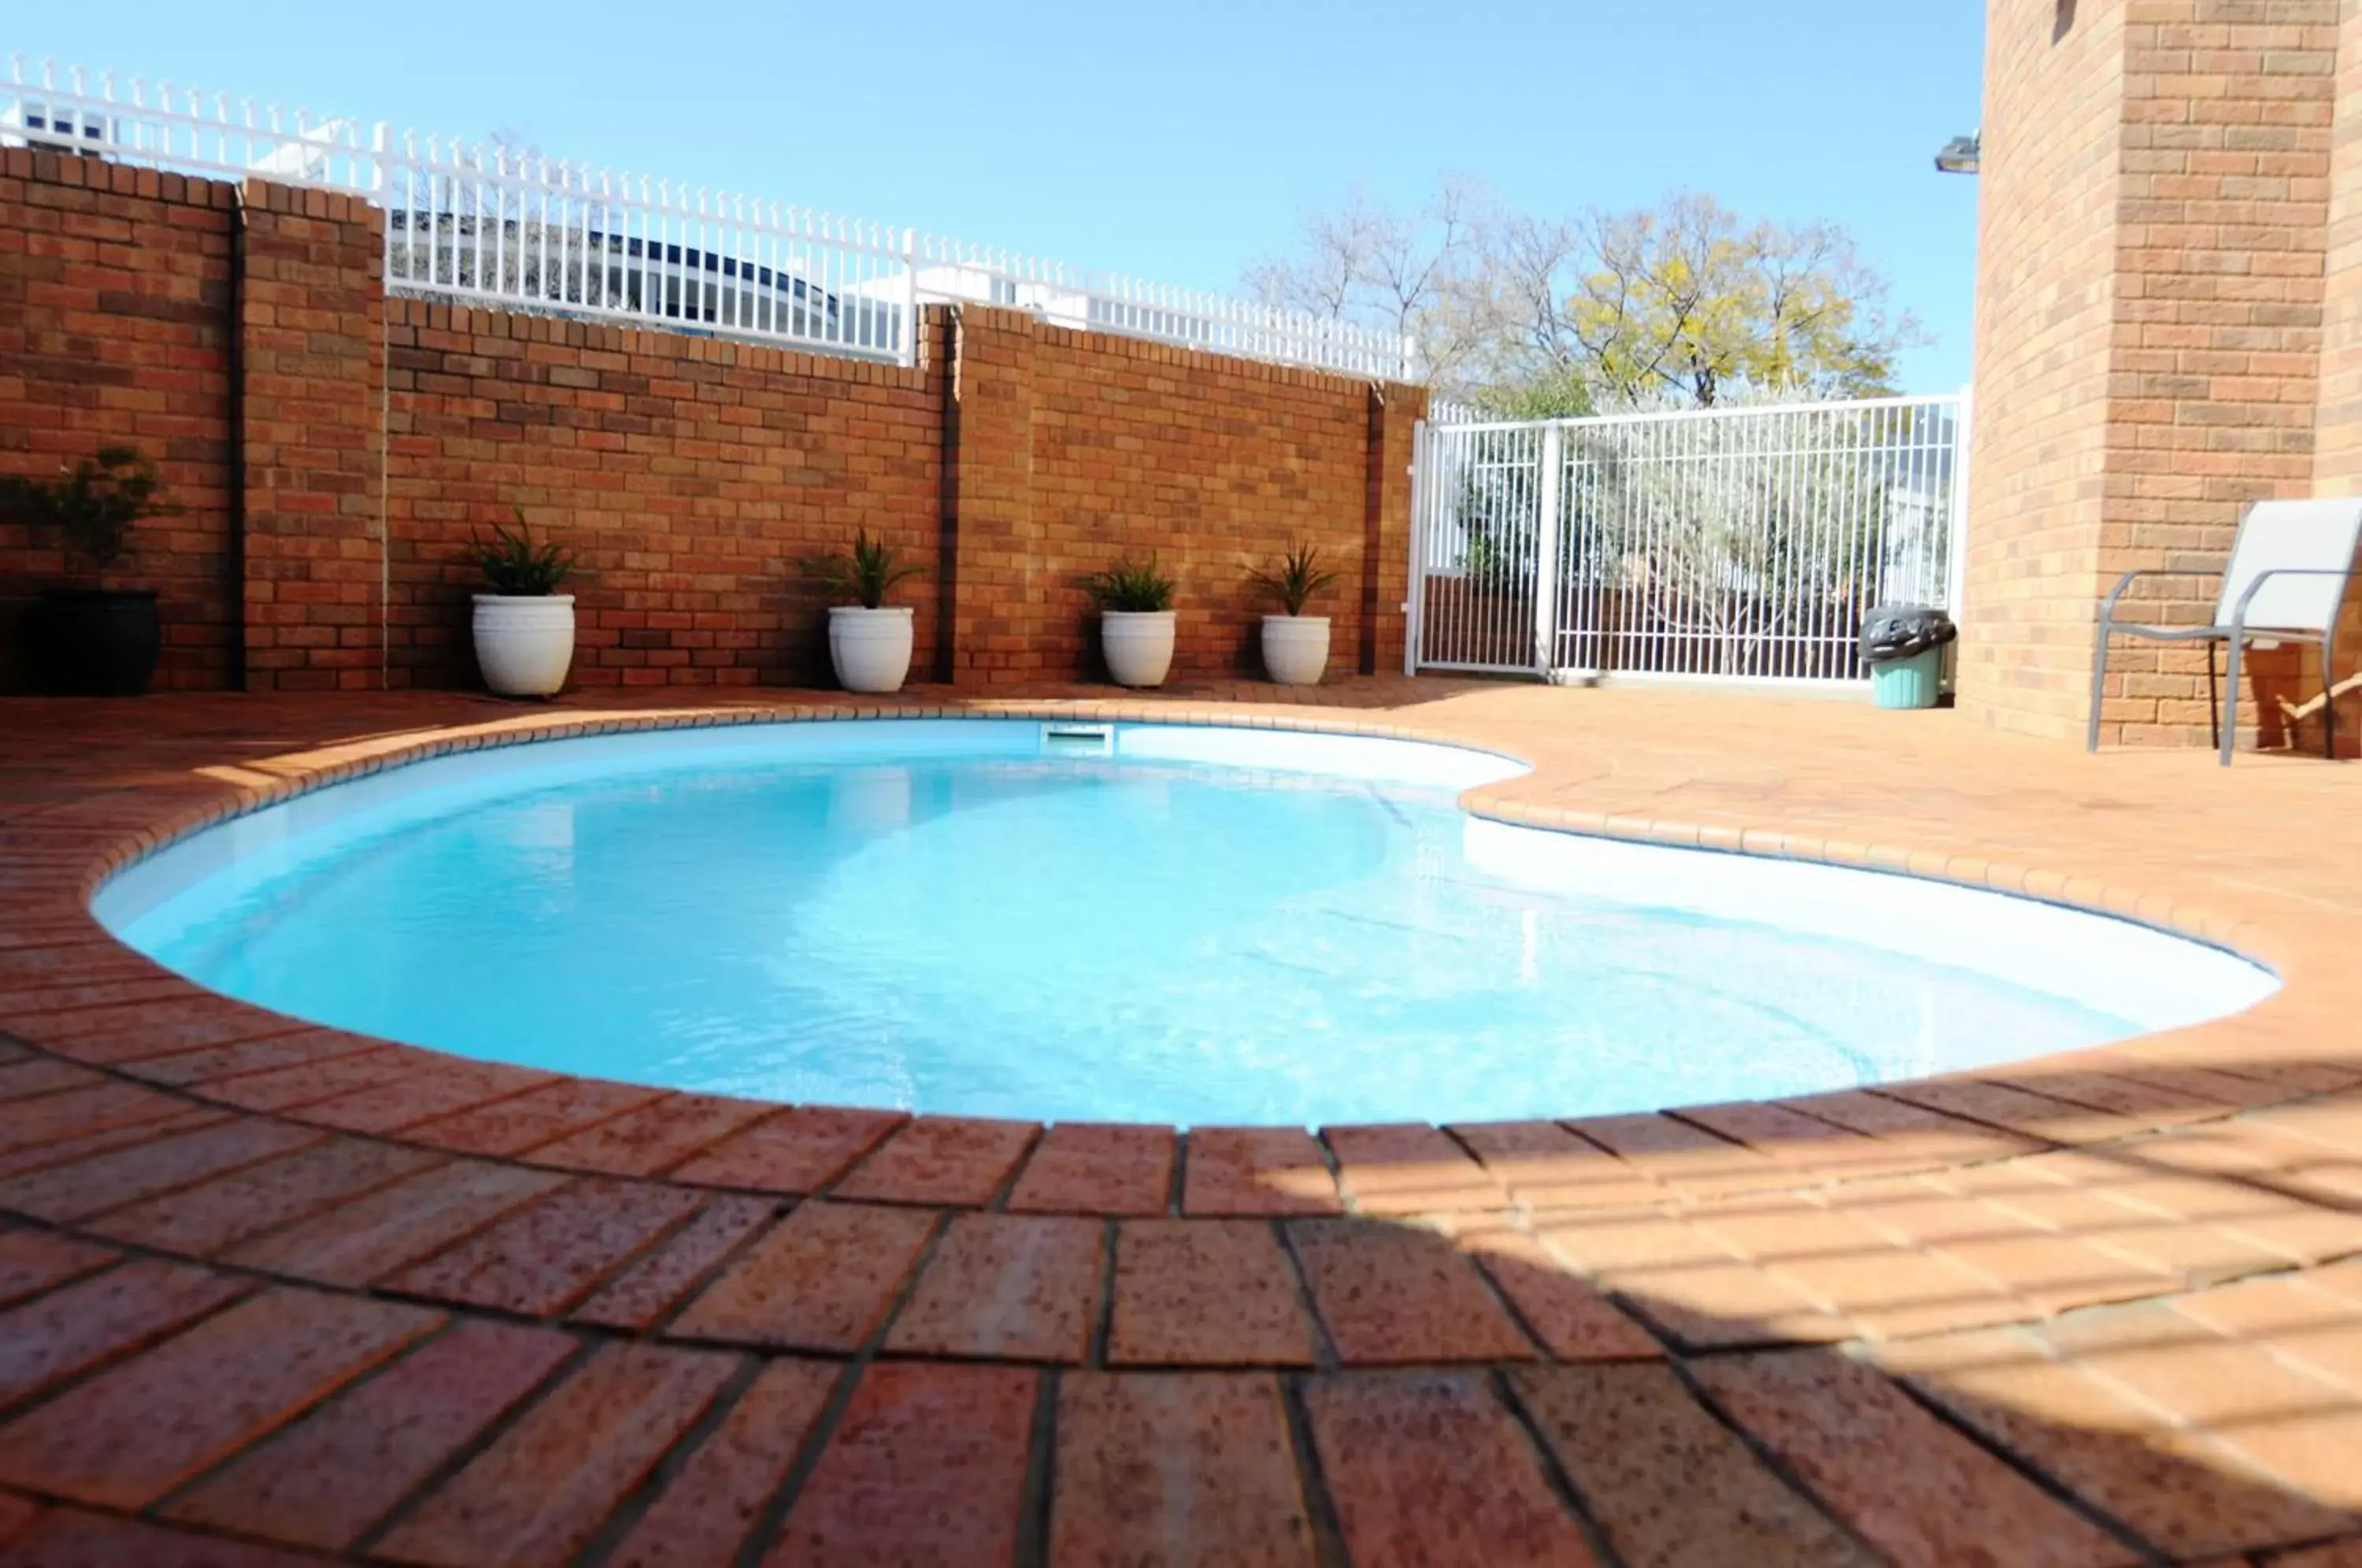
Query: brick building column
(311,427)
(2151,298)
(988,564)
(1394,411)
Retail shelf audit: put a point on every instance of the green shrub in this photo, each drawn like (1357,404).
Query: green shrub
(1299,577)
(93,505)
(866,576)
(1131,586)
(512,564)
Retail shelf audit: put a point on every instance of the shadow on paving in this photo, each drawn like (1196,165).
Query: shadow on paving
(2136,1350)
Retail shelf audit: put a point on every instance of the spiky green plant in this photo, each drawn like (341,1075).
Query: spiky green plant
(1299,577)
(866,576)
(512,564)
(92,503)
(1131,586)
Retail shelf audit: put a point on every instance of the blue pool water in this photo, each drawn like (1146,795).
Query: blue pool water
(954,921)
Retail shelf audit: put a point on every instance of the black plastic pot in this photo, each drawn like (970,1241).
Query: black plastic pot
(96,642)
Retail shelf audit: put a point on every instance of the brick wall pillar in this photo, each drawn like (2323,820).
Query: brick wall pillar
(2150,304)
(2338,435)
(311,348)
(991,551)
(1394,411)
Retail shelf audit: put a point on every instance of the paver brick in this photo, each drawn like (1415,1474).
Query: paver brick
(942,1159)
(1256,1170)
(1013,1286)
(127,1436)
(1573,1321)
(127,1175)
(544,1257)
(927,1465)
(543,1115)
(1189,1469)
(1408,1168)
(373,1236)
(1205,1293)
(2183,1491)
(327,1478)
(650,1288)
(1545,1167)
(547,1483)
(799,1151)
(822,1279)
(1429,1468)
(1081,1167)
(1671,1487)
(203,1220)
(1914,1488)
(651,1137)
(69,1537)
(1394,1295)
(69,1330)
(33,1260)
(708,1509)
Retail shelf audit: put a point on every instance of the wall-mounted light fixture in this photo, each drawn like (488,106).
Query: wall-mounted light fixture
(1961,154)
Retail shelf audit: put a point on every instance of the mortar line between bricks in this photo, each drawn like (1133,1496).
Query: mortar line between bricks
(1320,1515)
(1038,1497)
(1094,1350)
(1554,1475)
(260,1233)
(631,1260)
(121,1356)
(1764,1454)
(1508,1305)
(466,1453)
(771,1517)
(703,1279)
(630,1507)
(1324,1349)
(1803,1182)
(2091,1513)
(997,1203)
(1177,1192)
(161,1506)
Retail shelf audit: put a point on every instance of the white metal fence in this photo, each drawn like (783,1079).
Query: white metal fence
(1740,544)
(517,230)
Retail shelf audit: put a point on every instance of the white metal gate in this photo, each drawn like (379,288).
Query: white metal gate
(1742,544)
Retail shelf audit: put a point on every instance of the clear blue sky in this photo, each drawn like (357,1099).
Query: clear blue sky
(1176,142)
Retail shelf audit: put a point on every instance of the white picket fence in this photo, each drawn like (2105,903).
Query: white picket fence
(1741,545)
(517,230)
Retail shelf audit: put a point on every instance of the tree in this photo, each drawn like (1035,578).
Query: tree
(1534,317)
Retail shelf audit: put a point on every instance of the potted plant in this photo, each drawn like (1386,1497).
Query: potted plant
(524,627)
(1135,621)
(868,640)
(1295,646)
(96,641)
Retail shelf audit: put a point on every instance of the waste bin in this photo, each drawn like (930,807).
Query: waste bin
(1904,645)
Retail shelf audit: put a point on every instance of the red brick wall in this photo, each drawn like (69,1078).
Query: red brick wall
(2151,304)
(2337,449)
(2046,302)
(691,476)
(1076,449)
(312,409)
(115,288)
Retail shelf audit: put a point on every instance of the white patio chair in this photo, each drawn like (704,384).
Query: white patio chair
(2285,581)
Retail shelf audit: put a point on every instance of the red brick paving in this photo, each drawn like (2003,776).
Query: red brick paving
(645,1343)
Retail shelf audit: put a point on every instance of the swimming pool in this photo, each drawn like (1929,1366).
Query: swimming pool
(1173,923)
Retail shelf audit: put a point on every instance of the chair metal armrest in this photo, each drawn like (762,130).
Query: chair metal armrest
(2239,610)
(2108,609)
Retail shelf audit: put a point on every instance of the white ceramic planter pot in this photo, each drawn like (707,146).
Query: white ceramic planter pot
(1139,644)
(524,643)
(1295,648)
(871,648)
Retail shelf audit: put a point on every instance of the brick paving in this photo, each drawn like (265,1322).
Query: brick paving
(269,1292)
